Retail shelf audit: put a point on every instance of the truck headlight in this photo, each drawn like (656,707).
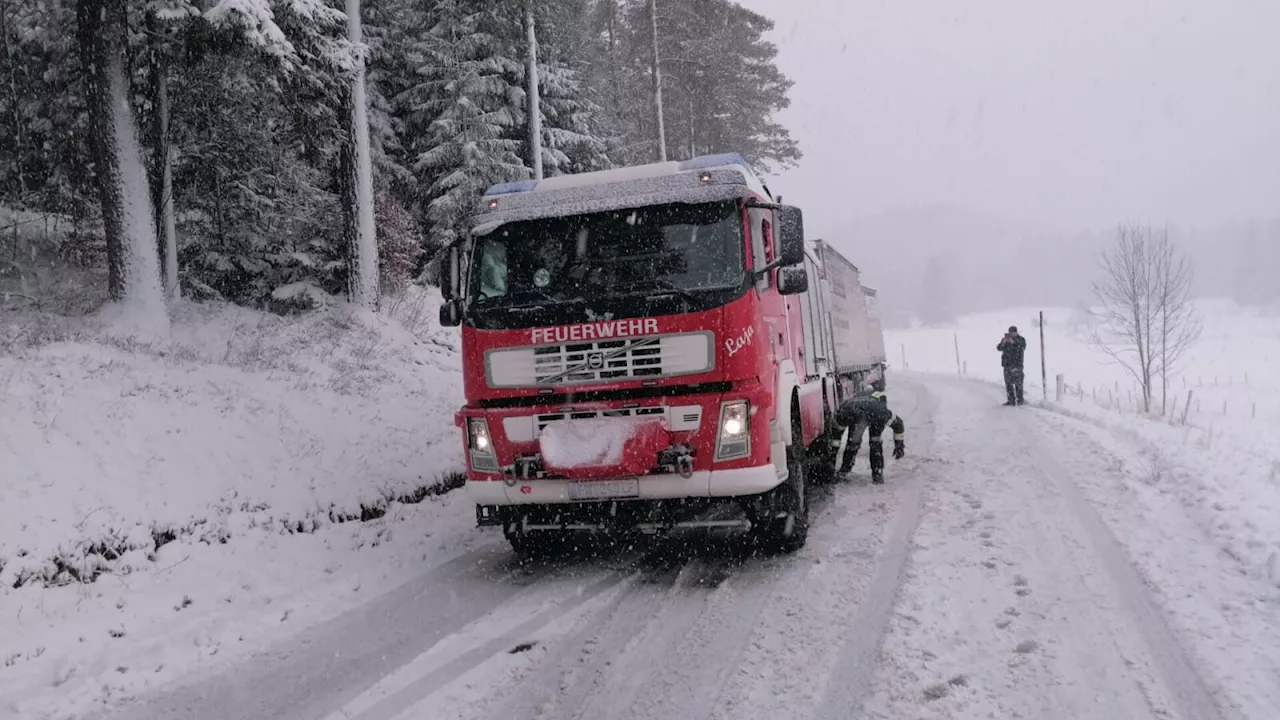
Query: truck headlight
(734,439)
(480,445)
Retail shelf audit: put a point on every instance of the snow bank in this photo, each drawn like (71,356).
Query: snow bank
(114,444)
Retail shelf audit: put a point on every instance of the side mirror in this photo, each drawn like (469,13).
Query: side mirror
(450,314)
(792,280)
(790,222)
(451,273)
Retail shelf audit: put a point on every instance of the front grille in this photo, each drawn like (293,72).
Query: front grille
(546,418)
(594,361)
(604,360)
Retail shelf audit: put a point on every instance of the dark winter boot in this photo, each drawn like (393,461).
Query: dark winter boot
(876,450)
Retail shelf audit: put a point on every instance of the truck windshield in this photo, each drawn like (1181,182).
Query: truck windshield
(663,258)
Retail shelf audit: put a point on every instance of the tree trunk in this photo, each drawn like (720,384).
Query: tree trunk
(657,85)
(101,26)
(164,196)
(362,240)
(533,102)
(693,145)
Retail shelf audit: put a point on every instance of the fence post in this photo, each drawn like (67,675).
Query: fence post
(1187,408)
(959,368)
(1061,385)
(905,366)
(1044,372)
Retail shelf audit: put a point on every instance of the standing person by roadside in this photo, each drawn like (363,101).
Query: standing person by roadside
(1012,349)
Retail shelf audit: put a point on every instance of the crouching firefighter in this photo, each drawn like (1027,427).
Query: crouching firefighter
(869,410)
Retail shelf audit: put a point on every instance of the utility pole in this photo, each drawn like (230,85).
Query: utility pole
(1044,373)
(959,367)
(657,85)
(534,103)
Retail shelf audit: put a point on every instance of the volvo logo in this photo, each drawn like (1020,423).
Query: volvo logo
(595,361)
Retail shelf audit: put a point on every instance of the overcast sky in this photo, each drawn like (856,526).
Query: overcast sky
(1062,115)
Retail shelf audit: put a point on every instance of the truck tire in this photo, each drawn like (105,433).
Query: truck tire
(789,533)
(541,543)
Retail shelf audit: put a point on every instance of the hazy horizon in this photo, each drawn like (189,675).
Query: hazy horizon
(1027,126)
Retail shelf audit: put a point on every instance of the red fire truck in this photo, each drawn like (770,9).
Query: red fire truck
(644,349)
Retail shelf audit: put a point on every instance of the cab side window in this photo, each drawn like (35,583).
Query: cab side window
(761,223)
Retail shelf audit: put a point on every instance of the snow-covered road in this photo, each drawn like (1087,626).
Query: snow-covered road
(979,582)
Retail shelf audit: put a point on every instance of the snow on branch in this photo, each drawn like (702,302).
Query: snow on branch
(256,20)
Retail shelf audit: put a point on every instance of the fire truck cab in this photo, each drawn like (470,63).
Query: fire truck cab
(641,352)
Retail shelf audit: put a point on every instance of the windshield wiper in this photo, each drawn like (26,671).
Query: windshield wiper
(545,298)
(669,288)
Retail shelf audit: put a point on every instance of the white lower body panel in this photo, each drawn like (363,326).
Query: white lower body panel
(701,484)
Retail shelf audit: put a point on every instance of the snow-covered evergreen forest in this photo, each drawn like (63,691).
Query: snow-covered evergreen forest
(227,134)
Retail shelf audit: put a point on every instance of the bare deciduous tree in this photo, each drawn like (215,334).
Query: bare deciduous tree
(1147,322)
(1178,325)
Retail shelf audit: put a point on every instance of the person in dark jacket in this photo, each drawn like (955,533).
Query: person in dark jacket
(868,410)
(1012,349)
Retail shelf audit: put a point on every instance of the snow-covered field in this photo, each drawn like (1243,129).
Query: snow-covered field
(165,501)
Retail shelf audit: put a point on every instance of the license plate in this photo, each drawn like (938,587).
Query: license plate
(604,489)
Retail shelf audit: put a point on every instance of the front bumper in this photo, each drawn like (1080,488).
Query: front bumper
(737,482)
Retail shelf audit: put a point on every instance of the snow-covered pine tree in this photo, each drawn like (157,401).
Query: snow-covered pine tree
(571,123)
(465,114)
(612,73)
(47,166)
(399,249)
(722,86)
(389,25)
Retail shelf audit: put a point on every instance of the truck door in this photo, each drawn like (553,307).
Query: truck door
(812,323)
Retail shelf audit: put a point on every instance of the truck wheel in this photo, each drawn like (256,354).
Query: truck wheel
(821,461)
(789,533)
(531,545)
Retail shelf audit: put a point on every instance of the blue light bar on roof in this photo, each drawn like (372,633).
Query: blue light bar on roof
(710,161)
(508,188)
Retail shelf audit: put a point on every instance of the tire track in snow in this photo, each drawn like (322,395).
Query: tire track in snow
(415,688)
(1081,635)
(1183,681)
(851,679)
(330,664)
(659,650)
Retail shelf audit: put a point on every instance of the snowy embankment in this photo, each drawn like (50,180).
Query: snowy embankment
(206,488)
(1198,506)
(112,445)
